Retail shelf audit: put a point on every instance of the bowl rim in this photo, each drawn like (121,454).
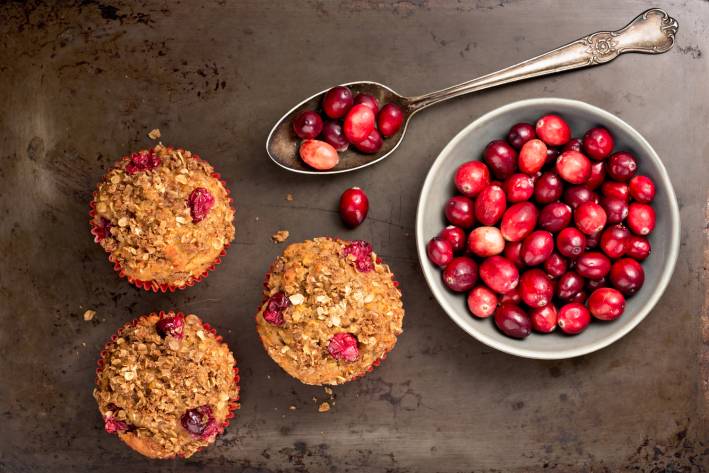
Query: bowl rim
(521,351)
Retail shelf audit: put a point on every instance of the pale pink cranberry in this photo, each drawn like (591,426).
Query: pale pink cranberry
(622,166)
(142,161)
(318,154)
(354,205)
(486,241)
(501,158)
(642,189)
(637,247)
(590,218)
(519,187)
(553,130)
(276,305)
(573,167)
(537,247)
(337,101)
(606,303)
(455,236)
(627,275)
(519,134)
(532,157)
(390,119)
(499,274)
(460,211)
(535,288)
(490,205)
(641,219)
(307,124)
(461,274)
(574,318)
(172,326)
(200,203)
(200,422)
(513,321)
(471,178)
(598,143)
(518,221)
(362,252)
(359,123)
(482,302)
(343,346)
(544,319)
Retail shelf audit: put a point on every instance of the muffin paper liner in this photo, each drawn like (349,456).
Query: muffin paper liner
(233,403)
(153,285)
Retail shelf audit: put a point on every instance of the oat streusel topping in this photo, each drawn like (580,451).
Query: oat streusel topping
(151,378)
(145,221)
(328,317)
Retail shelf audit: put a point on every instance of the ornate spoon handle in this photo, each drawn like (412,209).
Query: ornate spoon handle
(652,32)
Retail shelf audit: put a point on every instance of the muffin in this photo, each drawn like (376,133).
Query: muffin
(164,217)
(331,310)
(167,385)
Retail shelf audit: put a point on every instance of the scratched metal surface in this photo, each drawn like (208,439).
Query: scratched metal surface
(81,83)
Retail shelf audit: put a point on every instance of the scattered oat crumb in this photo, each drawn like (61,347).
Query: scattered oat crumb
(83,344)
(328,391)
(280,236)
(257,219)
(292,408)
(315,399)
(89,315)
(324,407)
(290,197)
(154,134)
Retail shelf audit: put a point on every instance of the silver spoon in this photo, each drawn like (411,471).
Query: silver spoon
(652,32)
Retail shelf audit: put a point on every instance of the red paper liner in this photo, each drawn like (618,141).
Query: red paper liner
(152,285)
(233,403)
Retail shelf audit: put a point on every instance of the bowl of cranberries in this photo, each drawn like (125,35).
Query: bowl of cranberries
(548,228)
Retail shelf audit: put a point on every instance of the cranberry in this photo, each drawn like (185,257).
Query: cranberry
(598,143)
(173,326)
(333,135)
(590,218)
(579,297)
(573,167)
(548,188)
(499,273)
(103,230)
(544,319)
(535,288)
(359,123)
(554,217)
(460,211)
(606,303)
(354,206)
(113,425)
(537,247)
(490,205)
(390,119)
(574,318)
(570,242)
(642,189)
(200,203)
(556,265)
(461,274)
(142,161)
(200,422)
(276,305)
(482,302)
(641,219)
(361,251)
(337,102)
(592,285)
(553,130)
(616,209)
(368,100)
(593,265)
(512,321)
(592,240)
(511,296)
(615,190)
(627,276)
(532,157)
(501,158)
(577,195)
(614,241)
(569,285)
(598,174)
(471,178)
(455,236)
(637,247)
(371,144)
(307,124)
(519,134)
(574,145)
(622,166)
(518,221)
(512,253)
(319,155)
(552,156)
(519,187)
(486,241)
(439,251)
(343,346)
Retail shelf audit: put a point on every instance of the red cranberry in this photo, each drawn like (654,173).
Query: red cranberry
(548,188)
(482,302)
(512,321)
(142,161)
(552,156)
(390,119)
(371,144)
(554,217)
(574,318)
(361,251)
(598,174)
(622,166)
(642,189)
(337,102)
(354,206)
(606,303)
(598,143)
(556,265)
(537,247)
(368,100)
(577,195)
(593,265)
(471,178)
(307,124)
(637,247)
(486,241)
(439,251)
(461,274)
(512,253)
(519,134)
(627,276)
(573,145)
(113,425)
(518,221)
(490,205)
(592,285)
(276,305)
(641,219)
(615,190)
(200,203)
(616,209)
(501,158)
(172,326)
(499,273)
(590,218)
(460,211)
(200,422)
(573,167)
(519,187)
(532,157)
(103,230)
(569,285)
(343,346)
(535,288)
(455,236)
(570,242)
(614,241)
(592,241)
(512,296)
(359,123)
(333,135)
(553,130)
(319,155)
(544,319)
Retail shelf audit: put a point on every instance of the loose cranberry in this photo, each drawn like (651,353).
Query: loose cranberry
(490,205)
(142,161)
(276,305)
(513,251)
(606,303)
(307,124)
(537,247)
(518,221)
(390,119)
(569,285)
(553,130)
(512,321)
(598,174)
(614,241)
(627,276)
(593,265)
(535,288)
(354,206)
(615,190)
(371,144)
(556,265)
(554,217)
(337,102)
(471,178)
(461,274)
(359,123)
(641,219)
(574,318)
(616,209)
(590,218)
(519,134)
(544,319)
(573,167)
(598,143)
(499,273)
(343,346)
(319,155)
(501,158)
(200,203)
(455,236)
(577,195)
(570,242)
(486,241)
(574,145)
(482,302)
(548,188)
(637,247)
(519,187)
(439,251)
(642,189)
(532,157)
(622,166)
(200,422)
(460,211)
(361,251)
(172,326)
(333,135)
(368,100)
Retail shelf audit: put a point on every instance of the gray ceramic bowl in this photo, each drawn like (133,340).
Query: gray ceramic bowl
(468,144)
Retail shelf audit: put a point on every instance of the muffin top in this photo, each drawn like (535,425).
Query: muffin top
(163,215)
(166,385)
(332,309)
